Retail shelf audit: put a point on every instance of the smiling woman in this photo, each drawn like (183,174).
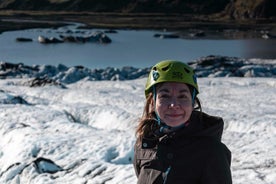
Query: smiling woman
(176,141)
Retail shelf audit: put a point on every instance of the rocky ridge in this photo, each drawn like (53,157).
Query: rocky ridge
(210,66)
(237,9)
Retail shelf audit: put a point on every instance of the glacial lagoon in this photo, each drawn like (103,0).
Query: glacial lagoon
(137,48)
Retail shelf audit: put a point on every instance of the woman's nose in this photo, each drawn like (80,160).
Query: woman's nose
(173,104)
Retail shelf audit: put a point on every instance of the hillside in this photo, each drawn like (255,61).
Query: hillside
(251,9)
(180,15)
(234,9)
(126,6)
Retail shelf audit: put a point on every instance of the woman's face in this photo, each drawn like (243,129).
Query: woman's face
(173,103)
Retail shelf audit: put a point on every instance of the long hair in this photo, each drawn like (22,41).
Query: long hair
(148,124)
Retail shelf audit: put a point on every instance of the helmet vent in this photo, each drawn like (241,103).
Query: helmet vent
(186,70)
(166,68)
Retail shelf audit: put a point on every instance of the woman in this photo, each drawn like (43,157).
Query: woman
(176,141)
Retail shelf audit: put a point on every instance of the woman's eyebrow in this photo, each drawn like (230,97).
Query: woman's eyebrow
(167,90)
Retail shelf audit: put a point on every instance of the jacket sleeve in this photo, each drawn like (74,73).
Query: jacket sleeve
(217,168)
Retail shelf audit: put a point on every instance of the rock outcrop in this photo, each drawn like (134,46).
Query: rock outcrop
(210,66)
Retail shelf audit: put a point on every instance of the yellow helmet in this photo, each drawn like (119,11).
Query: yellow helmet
(171,71)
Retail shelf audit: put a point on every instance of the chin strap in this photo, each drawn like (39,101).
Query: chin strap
(165,129)
(193,97)
(154,106)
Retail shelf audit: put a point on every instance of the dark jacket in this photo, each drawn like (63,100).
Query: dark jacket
(191,155)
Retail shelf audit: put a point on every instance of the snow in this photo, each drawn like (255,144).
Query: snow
(84,133)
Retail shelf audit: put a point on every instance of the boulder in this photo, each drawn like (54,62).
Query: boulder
(22,39)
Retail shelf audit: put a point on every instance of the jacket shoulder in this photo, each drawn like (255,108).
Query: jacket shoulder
(210,125)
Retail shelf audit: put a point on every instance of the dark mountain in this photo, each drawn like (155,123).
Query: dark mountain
(247,9)
(133,6)
(235,9)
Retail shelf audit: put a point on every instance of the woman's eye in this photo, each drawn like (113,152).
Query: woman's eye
(164,96)
(183,97)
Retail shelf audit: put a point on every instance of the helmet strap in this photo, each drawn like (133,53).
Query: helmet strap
(193,96)
(154,106)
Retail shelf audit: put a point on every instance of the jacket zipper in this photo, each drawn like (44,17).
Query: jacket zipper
(166,174)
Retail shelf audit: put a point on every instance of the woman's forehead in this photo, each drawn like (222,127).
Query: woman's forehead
(172,85)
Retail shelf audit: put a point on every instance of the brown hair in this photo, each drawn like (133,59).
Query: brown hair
(147,124)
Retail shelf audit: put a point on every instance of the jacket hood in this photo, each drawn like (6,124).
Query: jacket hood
(202,124)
